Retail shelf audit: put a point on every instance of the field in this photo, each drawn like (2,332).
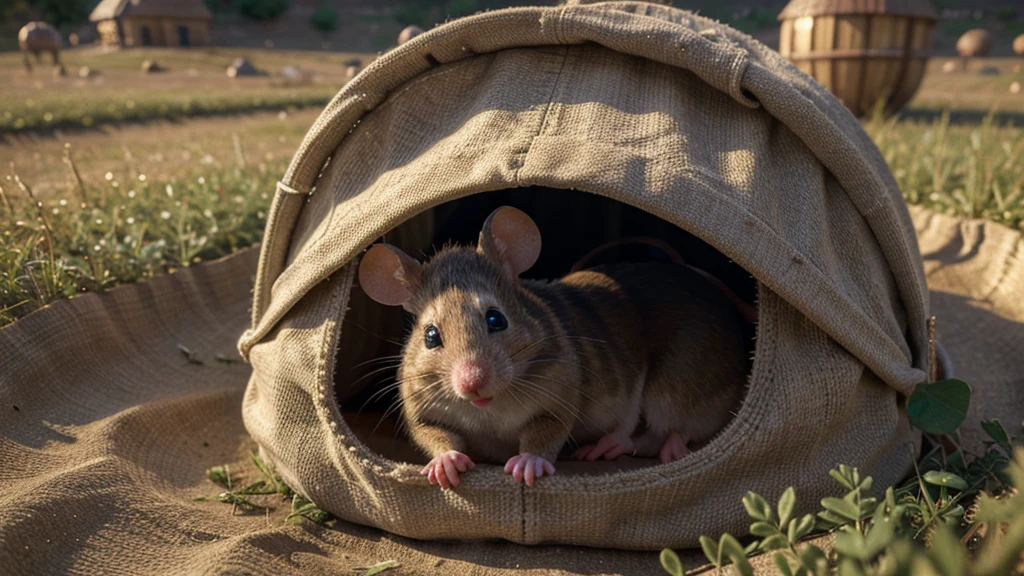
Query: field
(194,84)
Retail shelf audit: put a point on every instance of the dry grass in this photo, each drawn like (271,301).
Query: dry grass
(160,149)
(194,84)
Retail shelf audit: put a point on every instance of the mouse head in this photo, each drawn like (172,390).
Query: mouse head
(472,320)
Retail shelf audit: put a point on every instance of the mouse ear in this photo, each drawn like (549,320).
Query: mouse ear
(511,239)
(388,275)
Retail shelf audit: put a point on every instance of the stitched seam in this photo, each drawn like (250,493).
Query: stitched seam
(544,121)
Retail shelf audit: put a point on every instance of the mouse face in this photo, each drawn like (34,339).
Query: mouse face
(475,331)
(472,336)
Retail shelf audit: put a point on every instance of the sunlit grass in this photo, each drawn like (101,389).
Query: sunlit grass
(974,171)
(193,83)
(70,110)
(121,230)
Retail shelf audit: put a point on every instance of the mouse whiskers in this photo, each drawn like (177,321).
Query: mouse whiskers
(577,413)
(553,337)
(393,358)
(399,401)
(515,395)
(546,360)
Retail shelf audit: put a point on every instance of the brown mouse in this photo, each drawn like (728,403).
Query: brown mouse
(637,359)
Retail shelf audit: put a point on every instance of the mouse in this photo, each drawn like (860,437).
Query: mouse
(643,359)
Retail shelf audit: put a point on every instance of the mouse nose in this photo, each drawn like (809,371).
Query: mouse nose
(470,376)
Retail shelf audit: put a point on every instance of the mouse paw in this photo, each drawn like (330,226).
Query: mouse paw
(444,469)
(609,446)
(528,467)
(673,449)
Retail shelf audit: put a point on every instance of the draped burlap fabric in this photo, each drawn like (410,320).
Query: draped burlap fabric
(659,109)
(102,458)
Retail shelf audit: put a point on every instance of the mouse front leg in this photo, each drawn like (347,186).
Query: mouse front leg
(539,443)
(447,451)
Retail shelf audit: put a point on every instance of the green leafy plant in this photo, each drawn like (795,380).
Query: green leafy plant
(959,513)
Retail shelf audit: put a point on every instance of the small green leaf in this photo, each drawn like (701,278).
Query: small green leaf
(751,548)
(945,479)
(787,502)
(742,564)
(757,507)
(842,508)
(774,542)
(851,543)
(838,476)
(828,520)
(730,546)
(879,536)
(763,529)
(710,548)
(782,564)
(670,562)
(996,431)
(939,407)
(800,528)
(865,484)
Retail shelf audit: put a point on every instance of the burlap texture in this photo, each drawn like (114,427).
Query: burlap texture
(101,460)
(654,107)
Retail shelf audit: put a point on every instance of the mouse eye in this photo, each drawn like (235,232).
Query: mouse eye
(432,337)
(496,321)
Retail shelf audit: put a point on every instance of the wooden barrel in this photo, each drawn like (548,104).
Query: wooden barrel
(863,51)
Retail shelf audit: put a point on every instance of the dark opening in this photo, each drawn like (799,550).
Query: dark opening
(147,36)
(572,223)
(183,36)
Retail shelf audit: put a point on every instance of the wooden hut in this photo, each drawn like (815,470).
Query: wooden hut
(153,22)
(862,51)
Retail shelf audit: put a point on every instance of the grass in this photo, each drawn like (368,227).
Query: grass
(194,84)
(120,231)
(132,226)
(970,171)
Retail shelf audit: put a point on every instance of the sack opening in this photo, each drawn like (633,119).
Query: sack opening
(577,228)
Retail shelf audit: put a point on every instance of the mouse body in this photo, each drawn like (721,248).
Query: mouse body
(638,359)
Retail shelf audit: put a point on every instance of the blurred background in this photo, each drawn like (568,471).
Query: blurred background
(373,25)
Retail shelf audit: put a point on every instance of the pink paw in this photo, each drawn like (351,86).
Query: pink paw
(529,467)
(444,469)
(608,446)
(674,448)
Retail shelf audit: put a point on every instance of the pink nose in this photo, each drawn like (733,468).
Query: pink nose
(470,376)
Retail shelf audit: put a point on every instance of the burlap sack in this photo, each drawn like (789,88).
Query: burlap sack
(106,428)
(657,108)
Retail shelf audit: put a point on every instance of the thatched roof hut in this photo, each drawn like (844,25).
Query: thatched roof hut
(153,22)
